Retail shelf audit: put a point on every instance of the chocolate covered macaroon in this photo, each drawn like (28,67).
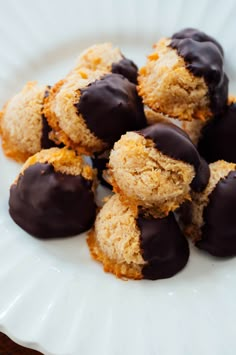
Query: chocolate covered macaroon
(184,77)
(89,110)
(53,196)
(130,245)
(213,226)
(157,167)
(23,127)
(107,58)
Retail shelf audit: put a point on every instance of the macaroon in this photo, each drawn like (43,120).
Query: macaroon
(213,225)
(53,196)
(184,76)
(89,110)
(156,168)
(23,127)
(132,245)
(107,58)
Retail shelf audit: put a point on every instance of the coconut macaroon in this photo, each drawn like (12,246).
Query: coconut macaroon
(213,226)
(89,111)
(184,77)
(131,245)
(53,196)
(23,127)
(107,58)
(156,168)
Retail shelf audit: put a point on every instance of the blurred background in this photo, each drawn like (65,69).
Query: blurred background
(41,39)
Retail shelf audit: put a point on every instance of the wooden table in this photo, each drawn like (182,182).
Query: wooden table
(8,347)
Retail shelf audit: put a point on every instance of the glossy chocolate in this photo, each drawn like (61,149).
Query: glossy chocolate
(46,142)
(175,143)
(100,162)
(198,36)
(111,107)
(218,137)
(49,204)
(219,230)
(127,68)
(204,58)
(163,246)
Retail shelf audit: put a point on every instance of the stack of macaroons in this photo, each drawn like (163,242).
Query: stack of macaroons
(87,111)
(184,79)
(150,134)
(152,172)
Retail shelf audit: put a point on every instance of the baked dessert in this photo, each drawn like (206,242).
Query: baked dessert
(213,226)
(107,58)
(184,77)
(23,127)
(156,168)
(53,196)
(132,245)
(217,140)
(70,110)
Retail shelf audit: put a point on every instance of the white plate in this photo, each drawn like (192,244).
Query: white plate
(53,297)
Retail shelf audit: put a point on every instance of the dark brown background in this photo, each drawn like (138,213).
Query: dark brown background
(8,347)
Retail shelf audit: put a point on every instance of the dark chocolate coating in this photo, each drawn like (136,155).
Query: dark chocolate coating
(111,107)
(198,36)
(204,58)
(49,204)
(46,143)
(218,138)
(100,162)
(163,245)
(175,143)
(127,68)
(219,229)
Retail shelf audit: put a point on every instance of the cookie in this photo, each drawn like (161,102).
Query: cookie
(131,245)
(157,167)
(23,127)
(213,226)
(184,77)
(89,111)
(107,58)
(53,196)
